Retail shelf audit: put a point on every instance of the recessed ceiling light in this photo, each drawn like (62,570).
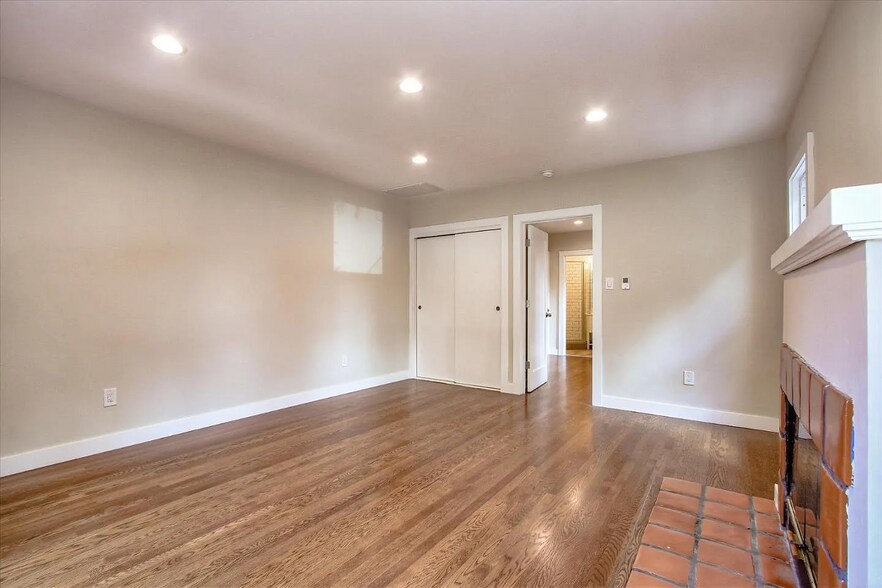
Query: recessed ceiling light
(595,115)
(547,173)
(410,86)
(168,44)
(419,159)
(578,222)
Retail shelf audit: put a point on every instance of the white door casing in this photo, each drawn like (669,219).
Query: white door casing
(478,308)
(537,311)
(435,298)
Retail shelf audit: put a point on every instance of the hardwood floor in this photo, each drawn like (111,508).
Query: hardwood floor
(409,484)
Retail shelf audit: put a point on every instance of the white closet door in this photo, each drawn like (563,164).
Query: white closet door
(538,312)
(435,308)
(478,308)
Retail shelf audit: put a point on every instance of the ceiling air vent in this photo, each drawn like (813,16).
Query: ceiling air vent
(414,190)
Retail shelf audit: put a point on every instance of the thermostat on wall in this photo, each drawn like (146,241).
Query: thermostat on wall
(626,284)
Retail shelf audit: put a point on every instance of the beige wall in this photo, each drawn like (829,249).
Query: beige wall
(841,100)
(557,242)
(694,234)
(832,311)
(189,275)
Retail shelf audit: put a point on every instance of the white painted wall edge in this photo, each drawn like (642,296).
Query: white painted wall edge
(38,458)
(692,413)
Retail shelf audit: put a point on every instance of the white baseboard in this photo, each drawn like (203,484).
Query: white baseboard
(692,413)
(21,462)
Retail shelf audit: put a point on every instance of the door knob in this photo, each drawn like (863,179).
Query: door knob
(547,314)
(420,307)
(497,308)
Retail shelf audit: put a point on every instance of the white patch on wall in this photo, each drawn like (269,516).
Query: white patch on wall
(358,239)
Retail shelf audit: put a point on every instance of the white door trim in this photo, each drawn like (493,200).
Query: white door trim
(486,224)
(562,298)
(519,310)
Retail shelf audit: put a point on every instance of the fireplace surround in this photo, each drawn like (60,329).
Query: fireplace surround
(815,457)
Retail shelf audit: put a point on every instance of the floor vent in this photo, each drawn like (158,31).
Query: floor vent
(414,190)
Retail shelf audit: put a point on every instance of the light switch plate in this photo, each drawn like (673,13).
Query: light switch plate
(610,283)
(688,378)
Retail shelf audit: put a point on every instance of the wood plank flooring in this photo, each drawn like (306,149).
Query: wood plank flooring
(409,484)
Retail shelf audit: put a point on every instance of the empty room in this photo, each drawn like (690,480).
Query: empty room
(435,293)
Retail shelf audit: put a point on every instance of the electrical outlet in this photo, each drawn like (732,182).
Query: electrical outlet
(688,378)
(109,397)
(344,360)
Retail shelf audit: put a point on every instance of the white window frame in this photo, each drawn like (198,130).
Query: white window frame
(800,202)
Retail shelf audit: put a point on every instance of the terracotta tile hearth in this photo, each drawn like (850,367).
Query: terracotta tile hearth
(704,536)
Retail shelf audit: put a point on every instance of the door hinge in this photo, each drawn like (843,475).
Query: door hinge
(528,364)
(528,304)
(528,241)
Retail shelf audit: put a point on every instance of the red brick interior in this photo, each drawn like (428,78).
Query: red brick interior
(701,536)
(828,414)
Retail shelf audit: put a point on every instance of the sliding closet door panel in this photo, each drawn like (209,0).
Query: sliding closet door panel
(478,304)
(435,308)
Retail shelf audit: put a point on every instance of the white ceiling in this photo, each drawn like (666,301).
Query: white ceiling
(507,84)
(565,226)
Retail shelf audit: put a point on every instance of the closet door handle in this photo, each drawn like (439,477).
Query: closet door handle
(497,308)
(420,307)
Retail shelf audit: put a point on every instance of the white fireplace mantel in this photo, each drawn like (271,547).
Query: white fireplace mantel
(843,217)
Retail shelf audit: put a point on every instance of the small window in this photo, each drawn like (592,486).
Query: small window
(801,186)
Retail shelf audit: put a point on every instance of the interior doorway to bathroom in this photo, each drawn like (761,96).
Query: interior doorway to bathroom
(576,314)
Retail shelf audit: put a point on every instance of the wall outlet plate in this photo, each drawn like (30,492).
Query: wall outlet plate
(688,378)
(109,397)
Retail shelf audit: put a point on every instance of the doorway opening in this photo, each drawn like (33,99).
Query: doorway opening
(559,282)
(576,312)
(558,285)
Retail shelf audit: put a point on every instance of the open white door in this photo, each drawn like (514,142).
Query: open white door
(537,307)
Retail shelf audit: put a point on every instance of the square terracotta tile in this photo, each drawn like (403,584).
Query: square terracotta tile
(828,577)
(726,513)
(669,539)
(767,524)
(775,547)
(726,533)
(727,497)
(765,506)
(641,580)
(662,564)
(677,501)
(816,410)
(833,519)
(838,423)
(681,486)
(673,518)
(777,573)
(721,555)
(782,418)
(795,367)
(805,377)
(786,360)
(708,577)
